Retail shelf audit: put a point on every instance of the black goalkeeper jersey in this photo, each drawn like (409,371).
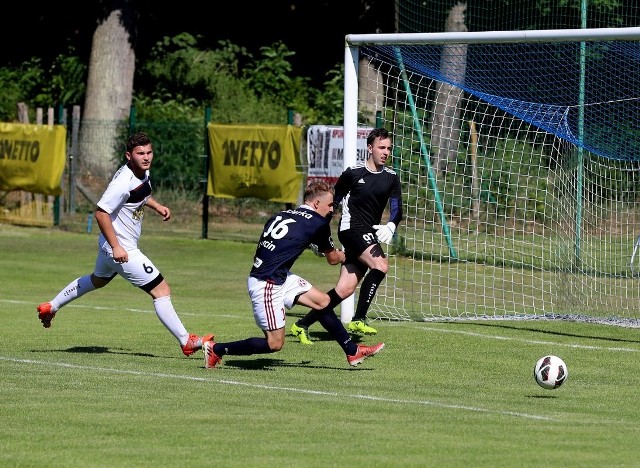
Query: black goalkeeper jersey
(364,195)
(285,236)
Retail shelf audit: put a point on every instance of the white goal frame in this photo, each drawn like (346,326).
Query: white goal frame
(352,108)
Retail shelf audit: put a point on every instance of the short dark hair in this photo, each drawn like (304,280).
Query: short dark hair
(380,132)
(137,139)
(316,188)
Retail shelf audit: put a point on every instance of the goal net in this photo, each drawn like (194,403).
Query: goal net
(519,157)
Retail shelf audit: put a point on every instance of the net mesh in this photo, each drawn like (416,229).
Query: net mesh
(519,164)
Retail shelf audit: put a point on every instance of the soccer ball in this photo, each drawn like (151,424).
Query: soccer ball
(550,372)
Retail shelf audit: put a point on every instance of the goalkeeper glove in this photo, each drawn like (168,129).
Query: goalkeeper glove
(384,232)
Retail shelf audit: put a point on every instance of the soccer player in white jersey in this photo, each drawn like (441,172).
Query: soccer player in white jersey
(119,215)
(364,191)
(273,287)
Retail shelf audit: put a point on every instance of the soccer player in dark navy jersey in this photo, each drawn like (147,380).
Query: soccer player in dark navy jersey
(273,288)
(364,191)
(286,235)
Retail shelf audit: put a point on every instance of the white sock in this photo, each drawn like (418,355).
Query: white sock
(169,318)
(77,288)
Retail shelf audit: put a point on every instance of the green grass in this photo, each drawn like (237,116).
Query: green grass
(107,385)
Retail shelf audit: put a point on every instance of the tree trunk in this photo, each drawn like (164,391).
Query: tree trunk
(109,91)
(370,91)
(445,129)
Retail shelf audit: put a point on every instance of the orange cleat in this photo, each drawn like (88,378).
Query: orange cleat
(45,315)
(211,359)
(194,343)
(363,353)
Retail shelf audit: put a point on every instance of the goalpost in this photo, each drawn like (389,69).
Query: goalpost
(519,157)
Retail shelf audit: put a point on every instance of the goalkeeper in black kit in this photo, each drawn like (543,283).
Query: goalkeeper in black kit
(364,191)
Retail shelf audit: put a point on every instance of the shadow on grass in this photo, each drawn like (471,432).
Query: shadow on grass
(242,364)
(324,336)
(273,364)
(102,350)
(547,332)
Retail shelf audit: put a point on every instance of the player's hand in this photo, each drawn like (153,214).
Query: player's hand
(384,232)
(165,212)
(120,255)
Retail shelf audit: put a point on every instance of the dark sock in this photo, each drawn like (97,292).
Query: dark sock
(243,347)
(309,319)
(314,315)
(368,290)
(333,325)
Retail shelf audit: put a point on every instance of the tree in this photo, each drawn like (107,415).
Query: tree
(109,90)
(445,128)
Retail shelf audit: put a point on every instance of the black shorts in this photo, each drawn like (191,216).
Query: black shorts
(355,242)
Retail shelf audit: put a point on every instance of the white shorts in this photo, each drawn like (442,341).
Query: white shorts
(270,301)
(138,271)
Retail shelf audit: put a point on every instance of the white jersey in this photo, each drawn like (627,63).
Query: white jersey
(124,200)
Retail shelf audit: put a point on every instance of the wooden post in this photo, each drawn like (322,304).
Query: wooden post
(23,113)
(75,127)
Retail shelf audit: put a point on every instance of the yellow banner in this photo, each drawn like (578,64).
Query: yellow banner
(32,157)
(261,161)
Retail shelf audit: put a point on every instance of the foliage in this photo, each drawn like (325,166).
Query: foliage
(12,93)
(176,67)
(238,87)
(63,83)
(19,85)
(177,131)
(271,78)
(328,103)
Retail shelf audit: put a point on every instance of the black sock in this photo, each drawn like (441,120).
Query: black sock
(243,347)
(333,325)
(368,290)
(314,315)
(309,319)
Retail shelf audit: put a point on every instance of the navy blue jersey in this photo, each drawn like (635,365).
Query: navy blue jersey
(364,195)
(285,236)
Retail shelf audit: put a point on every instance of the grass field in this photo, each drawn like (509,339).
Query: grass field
(107,385)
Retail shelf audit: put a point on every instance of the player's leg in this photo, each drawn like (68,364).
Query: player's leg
(141,272)
(377,262)
(269,302)
(355,353)
(214,351)
(300,328)
(330,322)
(74,290)
(350,276)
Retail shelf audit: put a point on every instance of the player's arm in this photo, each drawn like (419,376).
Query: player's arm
(159,208)
(384,232)
(395,210)
(323,246)
(106,228)
(342,186)
(333,256)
